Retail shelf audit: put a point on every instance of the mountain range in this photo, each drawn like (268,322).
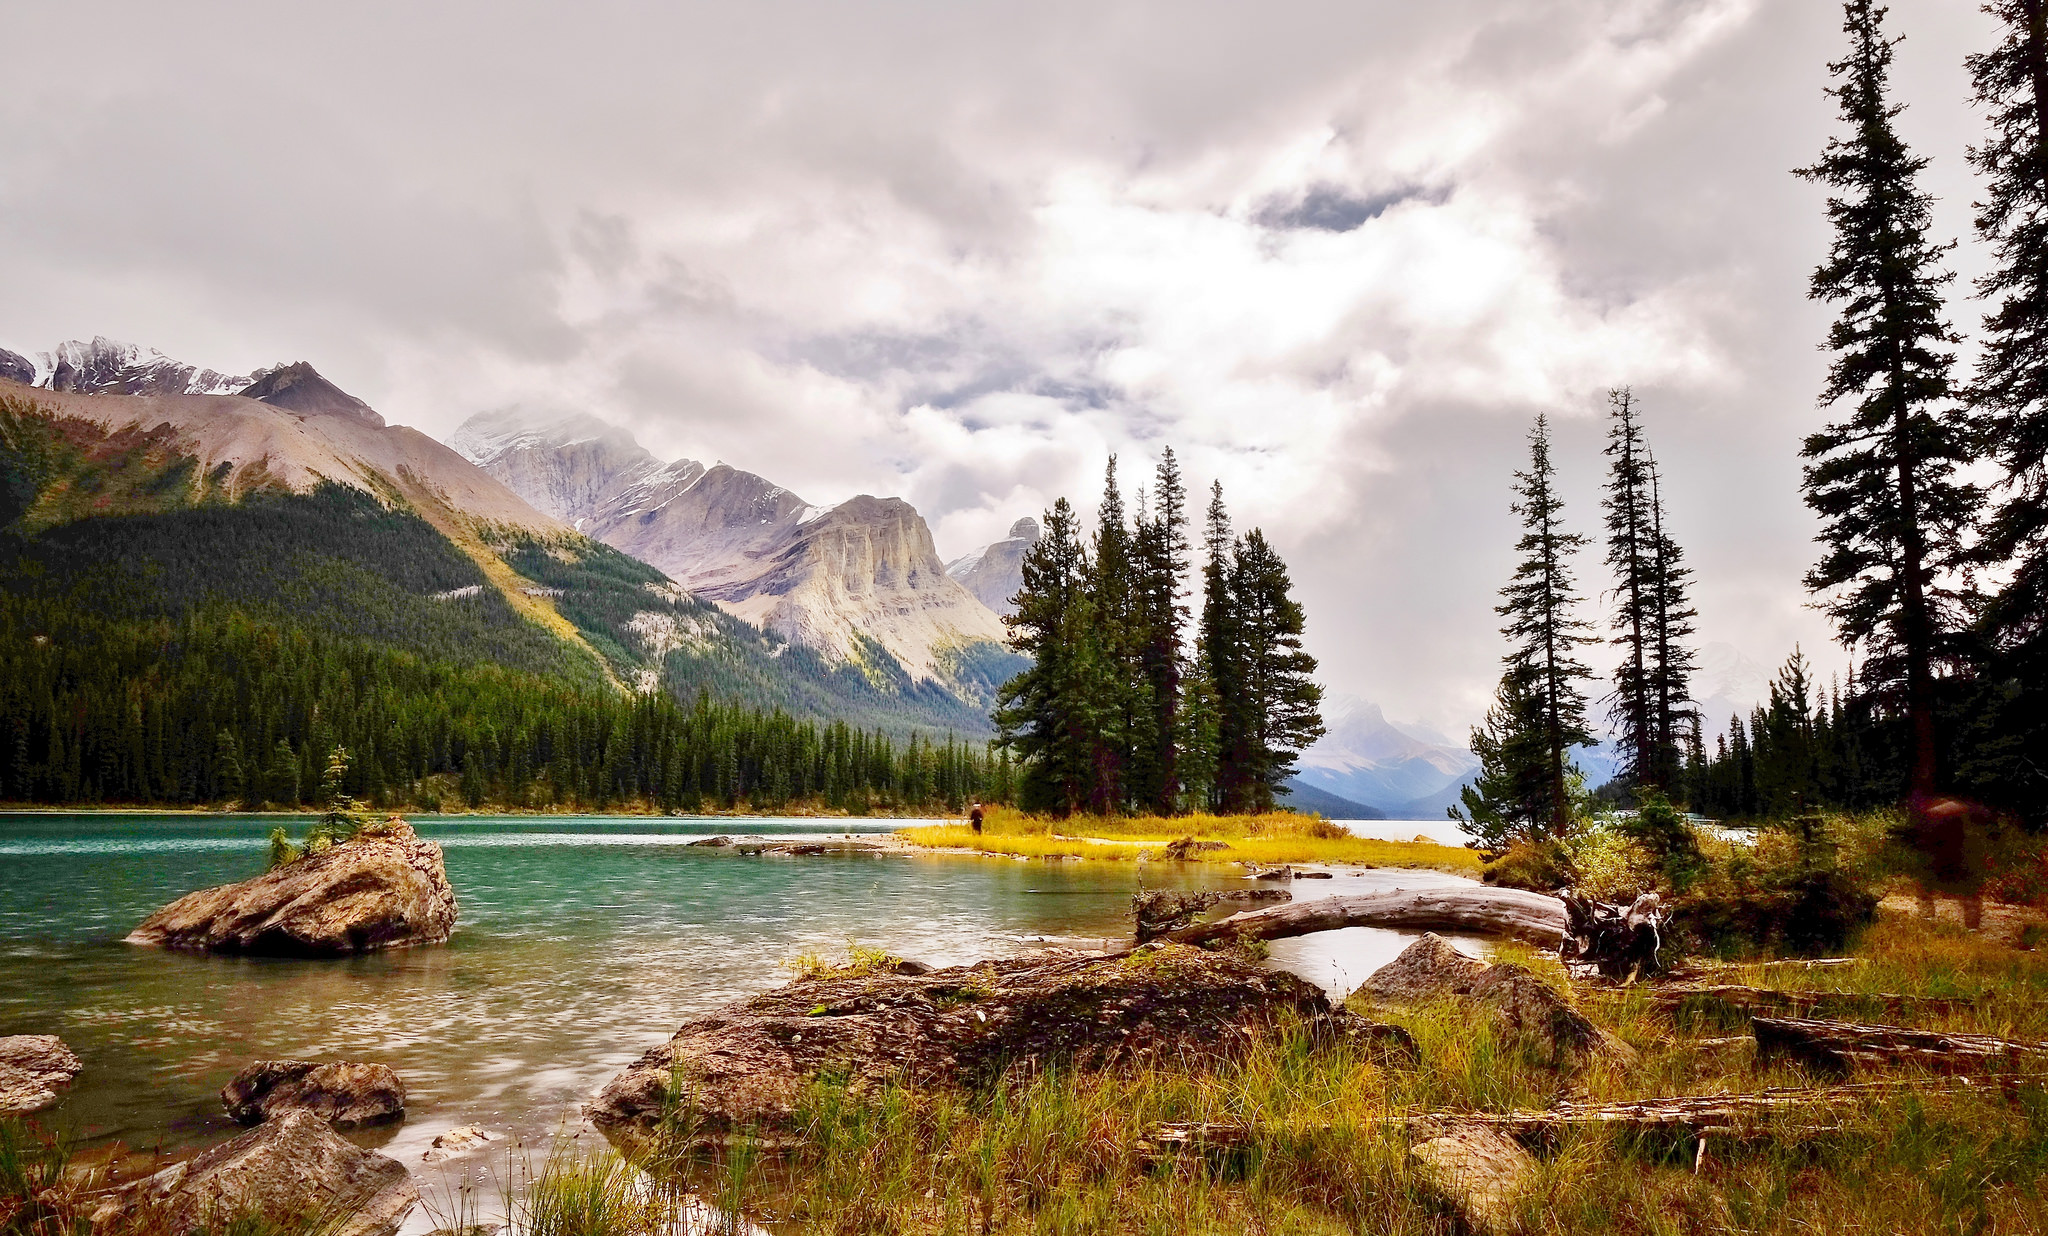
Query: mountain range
(153,490)
(994,573)
(859,581)
(1407,773)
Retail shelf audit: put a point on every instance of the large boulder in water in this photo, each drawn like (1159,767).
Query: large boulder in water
(387,888)
(33,1069)
(742,1069)
(295,1172)
(344,1093)
(1517,1003)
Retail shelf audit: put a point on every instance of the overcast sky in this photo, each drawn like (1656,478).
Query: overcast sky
(1337,254)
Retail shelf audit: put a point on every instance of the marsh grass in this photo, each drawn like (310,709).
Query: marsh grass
(1273,838)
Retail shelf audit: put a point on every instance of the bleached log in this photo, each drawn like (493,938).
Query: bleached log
(1784,1109)
(1476,909)
(1847,1045)
(1769,1001)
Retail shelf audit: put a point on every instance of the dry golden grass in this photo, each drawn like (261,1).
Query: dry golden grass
(1269,839)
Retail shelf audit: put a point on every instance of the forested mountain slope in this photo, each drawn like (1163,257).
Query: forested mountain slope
(170,508)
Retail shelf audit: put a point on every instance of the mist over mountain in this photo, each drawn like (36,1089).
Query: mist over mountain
(1366,758)
(848,581)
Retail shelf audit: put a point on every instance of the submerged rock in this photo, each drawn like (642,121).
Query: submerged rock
(459,1140)
(1517,1002)
(345,1094)
(385,889)
(292,1171)
(742,1070)
(34,1068)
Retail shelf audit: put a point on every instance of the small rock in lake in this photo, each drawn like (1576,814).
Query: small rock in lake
(385,889)
(345,1094)
(720,840)
(33,1069)
(459,1140)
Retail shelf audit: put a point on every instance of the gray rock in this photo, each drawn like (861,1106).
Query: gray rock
(291,1171)
(745,1068)
(34,1068)
(459,1140)
(1517,1002)
(345,1094)
(385,889)
(720,840)
(1480,1171)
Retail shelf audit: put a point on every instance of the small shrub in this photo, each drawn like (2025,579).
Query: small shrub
(1538,866)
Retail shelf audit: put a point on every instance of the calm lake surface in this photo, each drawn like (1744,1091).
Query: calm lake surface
(583,941)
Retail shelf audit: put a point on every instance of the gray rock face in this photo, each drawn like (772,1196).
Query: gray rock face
(1515,1001)
(386,889)
(345,1094)
(995,572)
(744,1068)
(290,1171)
(17,368)
(34,1069)
(838,580)
(298,387)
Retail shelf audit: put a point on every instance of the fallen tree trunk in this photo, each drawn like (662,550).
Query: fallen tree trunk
(1845,1045)
(1765,1001)
(1789,1109)
(1478,909)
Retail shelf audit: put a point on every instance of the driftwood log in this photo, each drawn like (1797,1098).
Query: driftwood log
(1767,1001)
(1159,911)
(1788,1109)
(1842,1045)
(1477,909)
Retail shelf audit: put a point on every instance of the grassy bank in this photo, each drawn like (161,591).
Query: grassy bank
(1273,838)
(1065,1152)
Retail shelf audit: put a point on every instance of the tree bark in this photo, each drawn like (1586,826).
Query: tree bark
(1477,909)
(1846,1045)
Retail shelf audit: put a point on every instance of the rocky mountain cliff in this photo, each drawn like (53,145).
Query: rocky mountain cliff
(845,581)
(995,572)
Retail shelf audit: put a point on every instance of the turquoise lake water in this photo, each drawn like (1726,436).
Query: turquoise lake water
(582,942)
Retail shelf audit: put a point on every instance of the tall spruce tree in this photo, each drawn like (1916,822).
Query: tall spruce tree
(1632,556)
(1220,650)
(1162,560)
(1673,660)
(1541,607)
(2011,387)
(1048,715)
(1883,479)
(1117,639)
(1506,801)
(1281,702)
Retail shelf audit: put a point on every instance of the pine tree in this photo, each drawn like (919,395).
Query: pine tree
(1506,801)
(2011,387)
(1220,649)
(1281,702)
(1162,553)
(1046,716)
(1544,631)
(1117,640)
(1632,552)
(1883,478)
(1673,660)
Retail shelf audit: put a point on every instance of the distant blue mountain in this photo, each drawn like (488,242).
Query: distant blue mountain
(1302,796)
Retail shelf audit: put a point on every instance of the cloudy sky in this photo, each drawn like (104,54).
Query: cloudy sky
(1336,253)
